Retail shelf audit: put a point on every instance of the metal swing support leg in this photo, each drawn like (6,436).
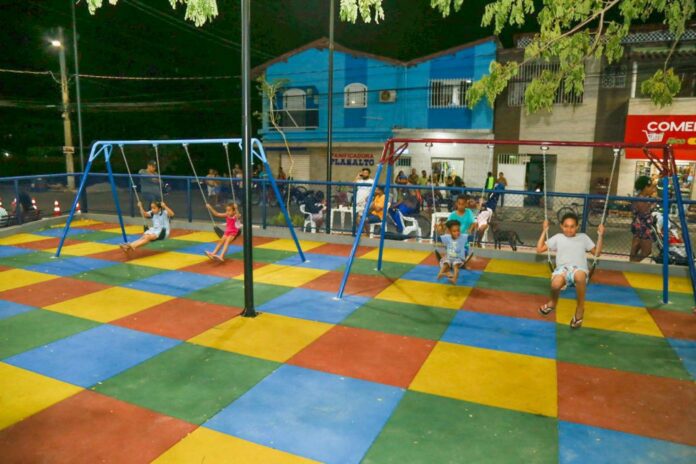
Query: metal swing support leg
(358,233)
(114,192)
(383,226)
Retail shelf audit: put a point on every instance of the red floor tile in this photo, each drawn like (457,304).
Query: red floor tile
(256,240)
(230,268)
(504,303)
(340,250)
(121,257)
(48,243)
(180,318)
(606,277)
(51,292)
(180,232)
(90,428)
(646,405)
(675,324)
(358,285)
(101,226)
(4,268)
(477,263)
(365,354)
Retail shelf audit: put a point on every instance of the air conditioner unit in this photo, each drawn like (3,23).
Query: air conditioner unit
(387,96)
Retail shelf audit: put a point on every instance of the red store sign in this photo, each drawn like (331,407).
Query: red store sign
(677,130)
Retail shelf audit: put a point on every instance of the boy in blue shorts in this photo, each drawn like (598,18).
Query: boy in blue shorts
(571,270)
(456,247)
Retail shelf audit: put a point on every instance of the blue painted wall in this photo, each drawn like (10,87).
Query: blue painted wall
(308,70)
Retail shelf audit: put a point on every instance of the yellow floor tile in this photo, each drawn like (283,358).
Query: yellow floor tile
(170,260)
(654,282)
(110,304)
(21,238)
(130,230)
(426,294)
(287,244)
(85,249)
(286,276)
(203,237)
(267,336)
(398,256)
(23,393)
(610,317)
(15,278)
(495,378)
(503,266)
(209,446)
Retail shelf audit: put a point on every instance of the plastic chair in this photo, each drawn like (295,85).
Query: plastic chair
(308,221)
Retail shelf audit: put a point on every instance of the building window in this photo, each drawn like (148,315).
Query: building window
(294,99)
(355,95)
(294,113)
(529,71)
(614,77)
(403,162)
(448,93)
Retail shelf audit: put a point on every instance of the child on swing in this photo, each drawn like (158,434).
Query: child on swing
(232,230)
(571,270)
(160,214)
(456,245)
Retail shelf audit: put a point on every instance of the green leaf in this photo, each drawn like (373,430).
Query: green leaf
(662,87)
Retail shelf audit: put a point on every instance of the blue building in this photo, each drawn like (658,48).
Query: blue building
(374,98)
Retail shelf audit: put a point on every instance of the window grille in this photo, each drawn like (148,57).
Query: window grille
(448,93)
(355,95)
(529,71)
(614,77)
(404,162)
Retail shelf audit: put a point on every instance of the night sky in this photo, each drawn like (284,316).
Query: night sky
(148,38)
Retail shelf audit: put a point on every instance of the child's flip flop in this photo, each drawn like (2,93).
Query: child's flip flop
(545,309)
(210,255)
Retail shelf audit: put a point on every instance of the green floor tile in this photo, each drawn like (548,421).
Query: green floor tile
(682,302)
(514,283)
(263,255)
(431,429)
(401,319)
(36,328)
(618,350)
(26,259)
(119,274)
(390,269)
(189,382)
(231,293)
(96,236)
(171,245)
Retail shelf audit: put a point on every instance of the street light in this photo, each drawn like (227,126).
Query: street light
(68,148)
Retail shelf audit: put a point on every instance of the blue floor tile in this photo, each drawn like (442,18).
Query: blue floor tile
(200,249)
(315,261)
(515,335)
(320,416)
(314,305)
(58,232)
(580,444)
(613,294)
(175,283)
(9,309)
(7,251)
(424,273)
(66,267)
(686,350)
(93,355)
(119,239)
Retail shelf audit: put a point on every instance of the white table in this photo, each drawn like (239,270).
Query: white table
(434,218)
(343,211)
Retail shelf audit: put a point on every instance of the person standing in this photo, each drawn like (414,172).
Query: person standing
(149,183)
(501,185)
(364,182)
(641,226)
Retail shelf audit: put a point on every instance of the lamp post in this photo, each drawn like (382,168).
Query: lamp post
(68,148)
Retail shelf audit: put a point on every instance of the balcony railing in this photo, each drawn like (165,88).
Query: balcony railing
(295,119)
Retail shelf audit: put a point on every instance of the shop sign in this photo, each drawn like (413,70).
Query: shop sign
(676,130)
(353,159)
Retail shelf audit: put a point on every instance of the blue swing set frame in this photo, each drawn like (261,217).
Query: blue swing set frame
(105,148)
(666,165)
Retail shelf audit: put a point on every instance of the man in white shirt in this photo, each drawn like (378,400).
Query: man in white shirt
(364,182)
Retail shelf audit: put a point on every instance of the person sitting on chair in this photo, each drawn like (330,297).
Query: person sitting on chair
(315,205)
(376,211)
(408,207)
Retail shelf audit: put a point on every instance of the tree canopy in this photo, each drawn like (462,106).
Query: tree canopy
(570,32)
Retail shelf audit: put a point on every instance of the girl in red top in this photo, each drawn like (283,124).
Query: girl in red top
(232,231)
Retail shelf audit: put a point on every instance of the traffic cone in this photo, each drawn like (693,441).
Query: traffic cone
(77,208)
(33,203)
(0,202)
(56,208)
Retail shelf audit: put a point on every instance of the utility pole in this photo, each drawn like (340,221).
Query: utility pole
(329,121)
(68,148)
(77,87)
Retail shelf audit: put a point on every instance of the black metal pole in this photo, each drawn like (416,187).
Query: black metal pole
(329,121)
(77,87)
(249,310)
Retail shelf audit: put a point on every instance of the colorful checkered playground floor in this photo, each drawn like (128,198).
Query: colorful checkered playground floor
(105,359)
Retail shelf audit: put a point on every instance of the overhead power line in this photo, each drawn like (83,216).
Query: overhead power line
(123,78)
